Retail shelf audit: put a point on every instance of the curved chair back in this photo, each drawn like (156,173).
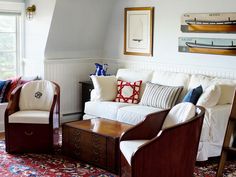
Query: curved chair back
(37,95)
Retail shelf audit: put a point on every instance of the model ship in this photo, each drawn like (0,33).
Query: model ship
(211,26)
(195,47)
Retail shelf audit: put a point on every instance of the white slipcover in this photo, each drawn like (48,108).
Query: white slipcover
(37,95)
(3,107)
(30,117)
(135,114)
(104,109)
(210,96)
(128,148)
(172,79)
(213,131)
(215,118)
(202,80)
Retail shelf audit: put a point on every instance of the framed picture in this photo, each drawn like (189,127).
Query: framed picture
(218,46)
(138,31)
(208,23)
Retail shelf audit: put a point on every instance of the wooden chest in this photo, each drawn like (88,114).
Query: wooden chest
(94,141)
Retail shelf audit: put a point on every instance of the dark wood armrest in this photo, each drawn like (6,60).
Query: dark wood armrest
(146,129)
(57,92)
(54,117)
(13,104)
(175,144)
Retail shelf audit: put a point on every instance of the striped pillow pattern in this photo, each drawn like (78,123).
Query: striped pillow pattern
(160,96)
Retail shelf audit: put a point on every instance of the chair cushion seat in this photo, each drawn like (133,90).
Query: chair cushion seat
(104,109)
(135,114)
(128,148)
(30,117)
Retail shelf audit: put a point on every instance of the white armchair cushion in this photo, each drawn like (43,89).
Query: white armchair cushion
(128,148)
(30,117)
(37,95)
(179,113)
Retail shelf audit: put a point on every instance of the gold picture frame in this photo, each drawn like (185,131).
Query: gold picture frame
(138,31)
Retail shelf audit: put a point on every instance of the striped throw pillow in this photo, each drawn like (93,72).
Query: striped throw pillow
(160,96)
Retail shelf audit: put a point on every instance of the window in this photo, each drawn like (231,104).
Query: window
(9,45)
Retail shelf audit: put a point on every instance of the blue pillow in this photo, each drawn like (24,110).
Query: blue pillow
(2,83)
(3,88)
(193,95)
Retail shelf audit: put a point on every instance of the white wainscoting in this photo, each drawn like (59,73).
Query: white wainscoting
(68,73)
(114,64)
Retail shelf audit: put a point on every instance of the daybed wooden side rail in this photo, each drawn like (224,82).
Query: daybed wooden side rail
(229,132)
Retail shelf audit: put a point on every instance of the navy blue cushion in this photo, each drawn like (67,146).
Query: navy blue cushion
(193,95)
(3,88)
(2,83)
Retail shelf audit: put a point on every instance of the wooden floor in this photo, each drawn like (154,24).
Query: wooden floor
(2,135)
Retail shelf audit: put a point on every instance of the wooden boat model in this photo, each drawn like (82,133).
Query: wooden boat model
(212,26)
(195,47)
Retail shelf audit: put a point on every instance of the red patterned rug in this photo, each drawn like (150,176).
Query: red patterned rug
(57,165)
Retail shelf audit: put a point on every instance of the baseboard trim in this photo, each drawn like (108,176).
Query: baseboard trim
(71,117)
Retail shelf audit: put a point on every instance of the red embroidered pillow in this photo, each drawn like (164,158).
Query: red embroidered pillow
(128,92)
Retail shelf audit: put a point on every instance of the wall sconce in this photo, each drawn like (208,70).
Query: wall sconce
(30,11)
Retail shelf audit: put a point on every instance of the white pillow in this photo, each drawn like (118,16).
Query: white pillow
(179,113)
(196,80)
(210,96)
(227,94)
(105,88)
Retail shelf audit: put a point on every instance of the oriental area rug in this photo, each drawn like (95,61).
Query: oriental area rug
(58,165)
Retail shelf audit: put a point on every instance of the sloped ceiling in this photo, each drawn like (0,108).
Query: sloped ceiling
(78,28)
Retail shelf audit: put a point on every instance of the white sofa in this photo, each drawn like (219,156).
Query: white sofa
(3,107)
(216,117)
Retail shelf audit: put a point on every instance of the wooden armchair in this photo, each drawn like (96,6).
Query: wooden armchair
(148,149)
(32,117)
